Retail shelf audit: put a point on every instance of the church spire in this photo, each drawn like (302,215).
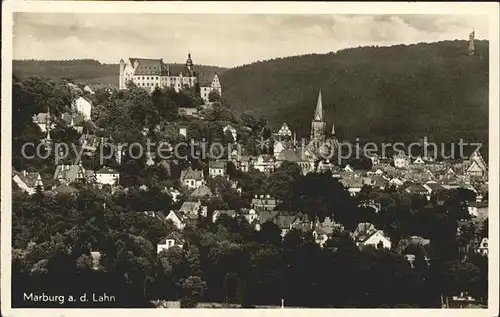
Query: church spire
(318,115)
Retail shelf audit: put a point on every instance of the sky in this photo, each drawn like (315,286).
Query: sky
(228,40)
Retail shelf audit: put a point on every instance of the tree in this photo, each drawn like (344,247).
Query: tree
(193,288)
(214,96)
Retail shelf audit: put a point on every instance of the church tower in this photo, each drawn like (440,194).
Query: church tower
(318,124)
(472,48)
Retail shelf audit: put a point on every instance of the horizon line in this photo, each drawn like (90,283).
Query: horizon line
(253,62)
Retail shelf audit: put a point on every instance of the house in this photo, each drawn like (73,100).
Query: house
(231,130)
(44,121)
(249,214)
(193,208)
(83,106)
(476,165)
(262,202)
(366,234)
(174,239)
(107,176)
(201,192)
(284,131)
(89,143)
(192,178)
(324,230)
(278,147)
(217,213)
(67,174)
(28,181)
(483,247)
(264,163)
(401,160)
(217,168)
(478,209)
(176,218)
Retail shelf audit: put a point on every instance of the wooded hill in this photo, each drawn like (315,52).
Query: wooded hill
(88,71)
(397,93)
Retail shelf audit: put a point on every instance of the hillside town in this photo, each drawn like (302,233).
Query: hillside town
(249,222)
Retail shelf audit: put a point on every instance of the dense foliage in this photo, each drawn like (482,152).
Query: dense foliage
(229,262)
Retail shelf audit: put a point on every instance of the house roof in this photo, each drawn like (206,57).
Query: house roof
(363,231)
(434,186)
(266,215)
(202,191)
(176,236)
(29,178)
(149,66)
(190,207)
(284,220)
(217,164)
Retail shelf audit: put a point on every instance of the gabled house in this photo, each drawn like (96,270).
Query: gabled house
(193,208)
(173,239)
(67,174)
(415,189)
(264,216)
(28,181)
(396,182)
(366,234)
(284,131)
(107,176)
(176,218)
(285,221)
(217,168)
(83,106)
(401,160)
(192,178)
(44,121)
(476,165)
(264,163)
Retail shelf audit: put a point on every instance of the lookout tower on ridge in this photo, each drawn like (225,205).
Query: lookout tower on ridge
(472,48)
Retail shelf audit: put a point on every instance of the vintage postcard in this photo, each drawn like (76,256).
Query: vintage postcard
(172,155)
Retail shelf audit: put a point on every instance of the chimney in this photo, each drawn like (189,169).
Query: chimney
(24,172)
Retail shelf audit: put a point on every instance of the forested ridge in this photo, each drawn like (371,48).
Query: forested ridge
(385,93)
(82,70)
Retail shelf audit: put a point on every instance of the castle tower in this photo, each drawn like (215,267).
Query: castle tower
(472,48)
(122,84)
(318,124)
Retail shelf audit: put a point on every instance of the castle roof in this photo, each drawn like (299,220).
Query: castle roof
(148,66)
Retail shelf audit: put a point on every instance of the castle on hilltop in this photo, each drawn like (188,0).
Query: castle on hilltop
(151,73)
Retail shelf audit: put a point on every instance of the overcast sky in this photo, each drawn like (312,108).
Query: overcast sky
(223,40)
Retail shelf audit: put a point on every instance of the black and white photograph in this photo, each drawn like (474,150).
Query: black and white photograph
(280,156)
